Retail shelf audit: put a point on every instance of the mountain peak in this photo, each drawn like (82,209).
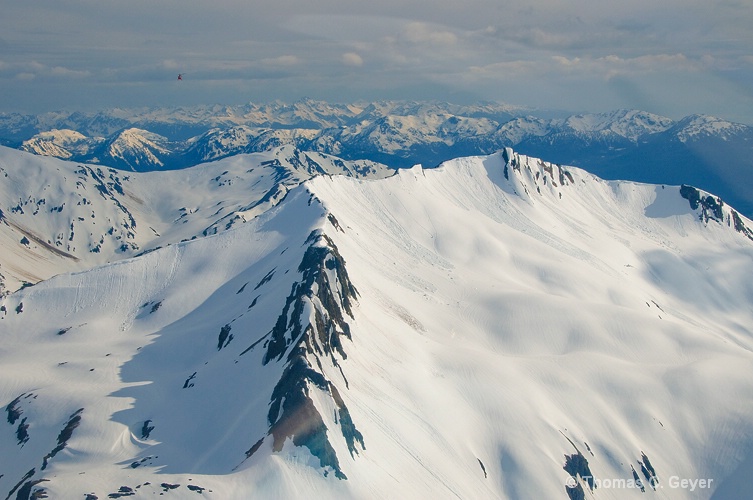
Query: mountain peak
(694,127)
(311,329)
(360,335)
(628,123)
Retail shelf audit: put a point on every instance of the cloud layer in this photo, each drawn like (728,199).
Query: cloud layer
(674,57)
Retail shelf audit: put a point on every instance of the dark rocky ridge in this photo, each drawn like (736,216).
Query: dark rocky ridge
(305,345)
(713,208)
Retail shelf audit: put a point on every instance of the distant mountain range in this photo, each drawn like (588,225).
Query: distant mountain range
(704,151)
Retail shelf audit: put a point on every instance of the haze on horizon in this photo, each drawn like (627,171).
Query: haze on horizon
(675,58)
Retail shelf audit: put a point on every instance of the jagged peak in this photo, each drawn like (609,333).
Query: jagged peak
(526,175)
(307,335)
(324,277)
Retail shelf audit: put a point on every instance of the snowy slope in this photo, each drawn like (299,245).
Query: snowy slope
(59,143)
(220,143)
(139,149)
(696,127)
(630,124)
(60,216)
(487,329)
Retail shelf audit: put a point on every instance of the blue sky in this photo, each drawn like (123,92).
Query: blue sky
(671,57)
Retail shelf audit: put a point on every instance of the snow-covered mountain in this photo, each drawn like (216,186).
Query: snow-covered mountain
(696,126)
(497,327)
(709,152)
(63,144)
(223,142)
(389,129)
(700,150)
(58,216)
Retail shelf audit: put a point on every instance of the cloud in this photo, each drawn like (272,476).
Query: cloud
(352,59)
(60,71)
(586,68)
(284,60)
(517,68)
(33,70)
(424,33)
(296,47)
(612,65)
(538,37)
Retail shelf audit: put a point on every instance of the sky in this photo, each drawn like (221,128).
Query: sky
(670,57)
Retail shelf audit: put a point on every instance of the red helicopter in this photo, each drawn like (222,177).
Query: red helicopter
(180,76)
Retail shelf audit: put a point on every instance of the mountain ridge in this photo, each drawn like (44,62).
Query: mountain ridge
(65,216)
(514,328)
(704,151)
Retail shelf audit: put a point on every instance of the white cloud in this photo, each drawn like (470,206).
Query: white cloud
(513,68)
(60,71)
(424,33)
(352,59)
(612,65)
(284,60)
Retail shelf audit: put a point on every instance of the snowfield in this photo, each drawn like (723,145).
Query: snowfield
(497,327)
(62,216)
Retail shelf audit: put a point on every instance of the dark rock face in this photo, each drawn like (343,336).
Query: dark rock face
(146,429)
(188,384)
(648,471)
(67,432)
(225,337)
(637,480)
(577,466)
(20,484)
(25,493)
(22,432)
(575,492)
(483,468)
(13,411)
(326,295)
(123,491)
(740,227)
(265,279)
(712,209)
(320,264)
